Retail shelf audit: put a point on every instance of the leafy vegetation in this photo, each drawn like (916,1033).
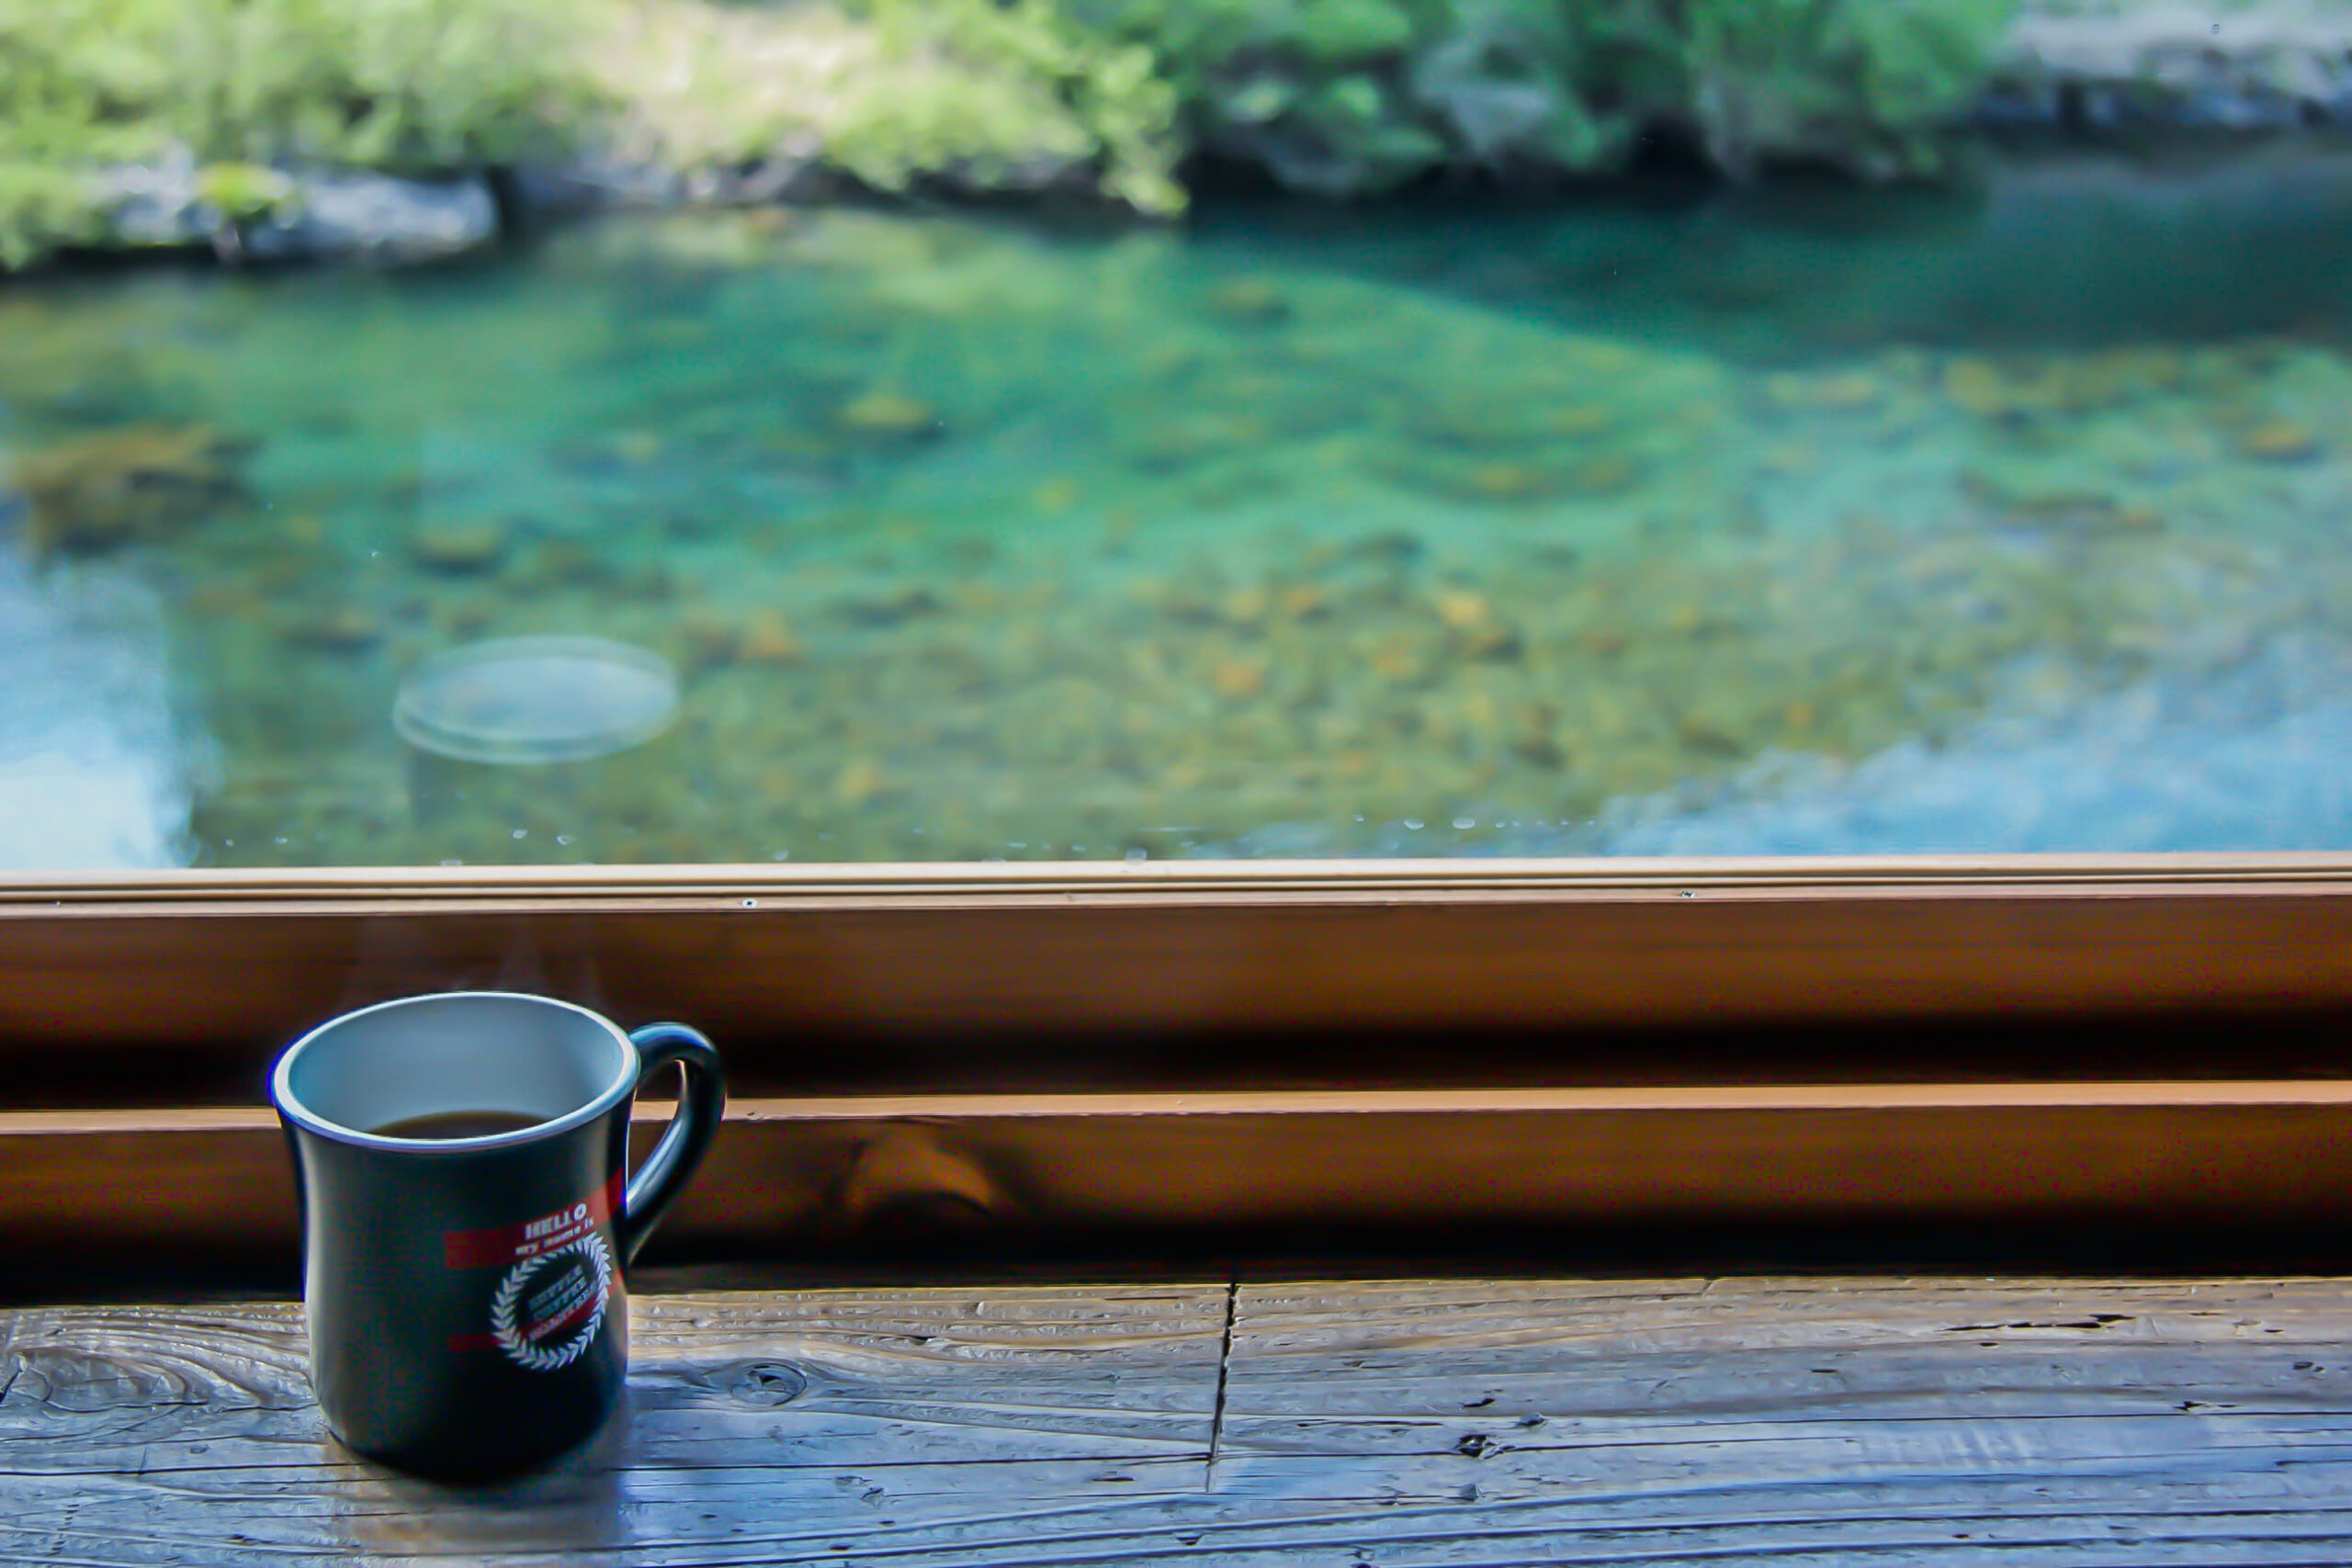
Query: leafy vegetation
(979,95)
(1340,95)
(1099,98)
(402,85)
(1359,93)
(42,207)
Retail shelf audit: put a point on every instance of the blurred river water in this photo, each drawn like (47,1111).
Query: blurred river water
(1788,519)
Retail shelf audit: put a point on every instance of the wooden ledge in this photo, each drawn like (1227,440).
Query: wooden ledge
(1413,1424)
(790,1177)
(1004,885)
(769,957)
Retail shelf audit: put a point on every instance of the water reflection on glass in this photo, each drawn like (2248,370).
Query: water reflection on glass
(94,772)
(1785,519)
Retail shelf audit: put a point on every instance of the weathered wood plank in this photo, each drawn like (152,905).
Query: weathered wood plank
(134,1435)
(1413,1424)
(787,1176)
(1498,1392)
(767,1379)
(1017,1521)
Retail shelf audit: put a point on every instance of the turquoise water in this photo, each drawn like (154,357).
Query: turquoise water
(1795,519)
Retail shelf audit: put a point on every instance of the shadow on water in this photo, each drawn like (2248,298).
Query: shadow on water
(2042,252)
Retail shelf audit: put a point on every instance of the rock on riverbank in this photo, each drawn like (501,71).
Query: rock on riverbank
(250,211)
(2231,65)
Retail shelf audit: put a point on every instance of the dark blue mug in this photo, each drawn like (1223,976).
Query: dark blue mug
(467,1208)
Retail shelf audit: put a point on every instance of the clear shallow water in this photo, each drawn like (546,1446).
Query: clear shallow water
(1774,521)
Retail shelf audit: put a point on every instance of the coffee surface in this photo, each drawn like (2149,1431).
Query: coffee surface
(457,1124)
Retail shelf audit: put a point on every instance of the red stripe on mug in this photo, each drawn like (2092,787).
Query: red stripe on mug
(494,1247)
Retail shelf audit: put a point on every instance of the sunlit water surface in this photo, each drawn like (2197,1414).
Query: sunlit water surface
(1793,520)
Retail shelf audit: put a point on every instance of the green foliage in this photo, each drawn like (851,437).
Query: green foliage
(1010,83)
(1861,80)
(1341,96)
(412,85)
(986,95)
(405,85)
(245,192)
(42,207)
(1195,38)
(1918,60)
(1377,88)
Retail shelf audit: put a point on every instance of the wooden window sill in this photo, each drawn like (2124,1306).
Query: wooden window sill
(2070,1424)
(1042,1050)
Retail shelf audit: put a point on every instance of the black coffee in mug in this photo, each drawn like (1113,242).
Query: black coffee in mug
(438,1125)
(467,1208)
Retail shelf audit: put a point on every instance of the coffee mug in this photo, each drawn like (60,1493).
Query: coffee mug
(462,1161)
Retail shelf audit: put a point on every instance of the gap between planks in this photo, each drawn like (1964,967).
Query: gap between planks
(1223,1380)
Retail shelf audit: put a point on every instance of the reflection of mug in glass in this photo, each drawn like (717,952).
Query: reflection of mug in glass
(466,1212)
(532,724)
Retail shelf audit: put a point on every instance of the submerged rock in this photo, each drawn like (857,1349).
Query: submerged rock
(1462,609)
(768,639)
(1250,301)
(2062,385)
(860,780)
(466,545)
(892,606)
(567,563)
(348,629)
(713,640)
(2279,441)
(709,639)
(1978,386)
(1186,438)
(882,414)
(1236,678)
(1848,391)
(100,492)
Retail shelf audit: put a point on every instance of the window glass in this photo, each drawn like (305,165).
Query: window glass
(491,431)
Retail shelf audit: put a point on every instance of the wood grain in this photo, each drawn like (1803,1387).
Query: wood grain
(789,1176)
(1516,1389)
(779,961)
(1961,1424)
(755,1426)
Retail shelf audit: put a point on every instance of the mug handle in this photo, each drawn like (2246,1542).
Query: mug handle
(701,1102)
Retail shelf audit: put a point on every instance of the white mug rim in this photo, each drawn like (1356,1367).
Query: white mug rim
(289,1104)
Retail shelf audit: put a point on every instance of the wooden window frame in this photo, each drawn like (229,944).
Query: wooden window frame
(1124,1049)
